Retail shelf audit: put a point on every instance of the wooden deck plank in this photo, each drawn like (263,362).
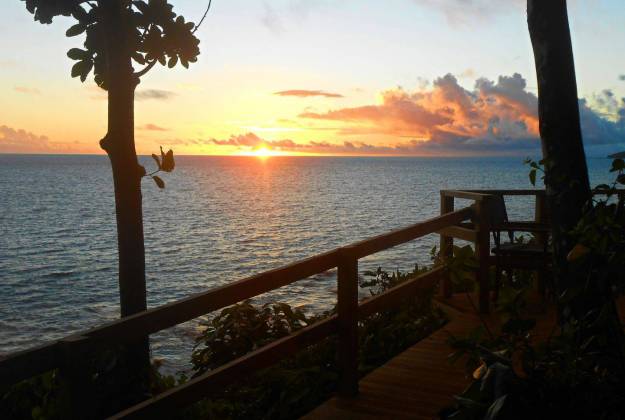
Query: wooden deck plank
(419,382)
(416,384)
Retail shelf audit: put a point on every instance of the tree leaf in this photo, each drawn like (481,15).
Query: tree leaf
(86,69)
(577,252)
(168,163)
(76,30)
(139,58)
(157,160)
(159,181)
(532,176)
(617,165)
(77,54)
(76,69)
(496,408)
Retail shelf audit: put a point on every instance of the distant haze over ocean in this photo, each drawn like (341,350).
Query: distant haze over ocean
(218,220)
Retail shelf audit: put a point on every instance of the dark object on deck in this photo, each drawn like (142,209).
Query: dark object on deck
(515,254)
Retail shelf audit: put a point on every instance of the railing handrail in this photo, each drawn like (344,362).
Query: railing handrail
(481,194)
(28,363)
(191,391)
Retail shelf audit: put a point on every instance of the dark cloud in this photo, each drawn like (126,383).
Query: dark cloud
(157,94)
(302,93)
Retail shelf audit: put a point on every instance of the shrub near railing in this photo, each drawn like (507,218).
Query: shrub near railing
(298,384)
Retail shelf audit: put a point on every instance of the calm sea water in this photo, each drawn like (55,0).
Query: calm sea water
(218,220)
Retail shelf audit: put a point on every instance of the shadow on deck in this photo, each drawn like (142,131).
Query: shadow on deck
(419,382)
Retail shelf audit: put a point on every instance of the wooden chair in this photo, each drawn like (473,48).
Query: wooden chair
(512,255)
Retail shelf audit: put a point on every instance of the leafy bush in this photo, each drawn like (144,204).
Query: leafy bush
(296,385)
(578,372)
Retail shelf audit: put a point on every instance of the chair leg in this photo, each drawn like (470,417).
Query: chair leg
(498,272)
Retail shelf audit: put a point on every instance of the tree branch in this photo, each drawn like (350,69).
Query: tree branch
(203,17)
(146,69)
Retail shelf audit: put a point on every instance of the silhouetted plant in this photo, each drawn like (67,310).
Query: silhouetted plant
(577,372)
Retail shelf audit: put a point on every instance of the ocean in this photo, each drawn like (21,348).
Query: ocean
(219,219)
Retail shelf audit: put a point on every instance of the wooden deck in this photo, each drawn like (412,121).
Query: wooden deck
(420,381)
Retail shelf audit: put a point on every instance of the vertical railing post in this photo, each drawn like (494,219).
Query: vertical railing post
(540,216)
(482,252)
(348,322)
(74,378)
(446,245)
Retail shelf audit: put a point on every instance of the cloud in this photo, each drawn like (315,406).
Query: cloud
(157,94)
(7,64)
(271,20)
(460,12)
(13,140)
(468,73)
(251,141)
(289,12)
(495,115)
(22,141)
(301,93)
(152,127)
(27,90)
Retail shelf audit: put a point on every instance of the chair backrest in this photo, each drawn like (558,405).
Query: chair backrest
(498,217)
(498,212)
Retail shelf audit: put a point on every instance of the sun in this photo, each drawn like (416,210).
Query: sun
(262,152)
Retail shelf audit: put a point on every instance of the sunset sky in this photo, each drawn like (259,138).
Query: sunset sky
(348,77)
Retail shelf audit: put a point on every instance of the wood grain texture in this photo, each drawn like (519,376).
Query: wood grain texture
(414,385)
(421,381)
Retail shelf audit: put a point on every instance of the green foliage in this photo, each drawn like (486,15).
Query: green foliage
(296,385)
(37,398)
(242,328)
(155,34)
(517,377)
(600,236)
(576,372)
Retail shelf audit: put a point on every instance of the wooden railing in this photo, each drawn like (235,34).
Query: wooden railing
(64,353)
(478,232)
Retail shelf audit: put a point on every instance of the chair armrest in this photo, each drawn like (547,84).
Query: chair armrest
(532,227)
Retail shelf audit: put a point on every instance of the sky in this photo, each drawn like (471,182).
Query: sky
(337,77)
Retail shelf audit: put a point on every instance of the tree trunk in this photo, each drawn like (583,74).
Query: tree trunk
(568,188)
(566,174)
(119,144)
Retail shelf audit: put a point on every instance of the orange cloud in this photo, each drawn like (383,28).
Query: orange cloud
(152,127)
(307,93)
(250,141)
(14,140)
(27,90)
(491,112)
